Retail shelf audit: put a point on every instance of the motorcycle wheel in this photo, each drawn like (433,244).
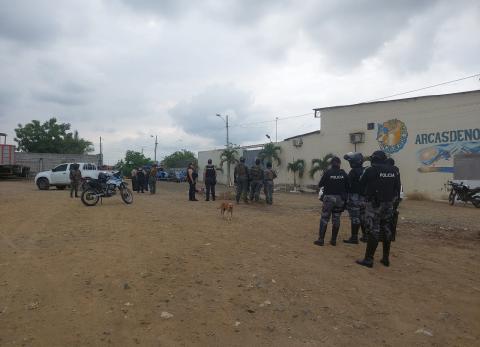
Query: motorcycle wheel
(476,203)
(451,197)
(126,195)
(89,197)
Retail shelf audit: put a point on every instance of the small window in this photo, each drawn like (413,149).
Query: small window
(94,167)
(62,167)
(85,166)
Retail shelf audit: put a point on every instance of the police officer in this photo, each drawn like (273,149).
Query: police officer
(335,184)
(256,177)
(268,176)
(210,179)
(192,181)
(240,177)
(396,200)
(381,183)
(356,198)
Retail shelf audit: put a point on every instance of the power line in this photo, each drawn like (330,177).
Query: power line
(428,87)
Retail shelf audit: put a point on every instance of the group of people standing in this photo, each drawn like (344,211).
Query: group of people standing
(248,181)
(371,195)
(144,179)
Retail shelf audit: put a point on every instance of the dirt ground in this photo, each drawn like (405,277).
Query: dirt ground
(168,272)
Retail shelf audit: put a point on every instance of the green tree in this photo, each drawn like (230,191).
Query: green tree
(132,160)
(296,166)
(270,152)
(179,159)
(50,137)
(320,164)
(229,156)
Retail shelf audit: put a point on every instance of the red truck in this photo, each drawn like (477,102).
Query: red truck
(8,168)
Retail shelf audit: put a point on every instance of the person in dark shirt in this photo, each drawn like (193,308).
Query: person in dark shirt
(256,177)
(140,180)
(356,197)
(335,184)
(381,183)
(241,177)
(210,179)
(192,181)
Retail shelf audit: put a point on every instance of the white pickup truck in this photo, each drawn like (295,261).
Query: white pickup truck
(60,176)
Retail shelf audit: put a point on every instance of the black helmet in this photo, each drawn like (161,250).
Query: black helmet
(355,159)
(242,160)
(378,157)
(209,161)
(335,161)
(390,161)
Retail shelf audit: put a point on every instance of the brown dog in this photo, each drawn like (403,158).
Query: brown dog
(226,207)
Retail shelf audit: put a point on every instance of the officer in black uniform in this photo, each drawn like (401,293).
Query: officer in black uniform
(381,183)
(210,179)
(396,200)
(356,197)
(335,184)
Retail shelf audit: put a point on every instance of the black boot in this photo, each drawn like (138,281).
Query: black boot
(321,234)
(386,252)
(364,233)
(369,252)
(333,240)
(354,238)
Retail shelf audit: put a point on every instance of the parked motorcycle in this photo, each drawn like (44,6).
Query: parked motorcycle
(105,186)
(462,192)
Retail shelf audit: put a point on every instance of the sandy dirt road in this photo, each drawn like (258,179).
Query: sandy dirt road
(168,272)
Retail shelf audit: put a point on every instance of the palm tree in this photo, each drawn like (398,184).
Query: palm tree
(320,164)
(296,166)
(270,152)
(228,156)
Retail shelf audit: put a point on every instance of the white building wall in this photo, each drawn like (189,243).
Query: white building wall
(425,167)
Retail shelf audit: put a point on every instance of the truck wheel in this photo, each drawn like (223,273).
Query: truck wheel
(43,184)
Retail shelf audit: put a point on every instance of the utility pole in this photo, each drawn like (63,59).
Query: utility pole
(276,129)
(156,144)
(101,152)
(227,146)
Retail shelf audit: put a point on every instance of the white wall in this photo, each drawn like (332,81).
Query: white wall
(420,116)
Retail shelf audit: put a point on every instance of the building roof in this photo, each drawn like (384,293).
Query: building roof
(386,101)
(302,135)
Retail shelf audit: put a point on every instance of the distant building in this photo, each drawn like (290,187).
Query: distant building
(422,134)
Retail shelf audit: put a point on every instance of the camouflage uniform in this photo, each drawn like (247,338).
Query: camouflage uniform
(268,176)
(333,205)
(256,176)
(378,219)
(356,208)
(241,180)
(75,178)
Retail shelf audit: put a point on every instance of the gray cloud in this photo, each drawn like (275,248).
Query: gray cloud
(127,69)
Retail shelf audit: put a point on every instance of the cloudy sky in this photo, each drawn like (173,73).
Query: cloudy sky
(129,69)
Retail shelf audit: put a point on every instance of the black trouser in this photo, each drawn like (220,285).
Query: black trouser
(140,185)
(209,187)
(191,191)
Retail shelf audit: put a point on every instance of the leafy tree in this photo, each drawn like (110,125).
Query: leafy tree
(132,160)
(320,164)
(228,156)
(270,152)
(296,166)
(179,159)
(50,137)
